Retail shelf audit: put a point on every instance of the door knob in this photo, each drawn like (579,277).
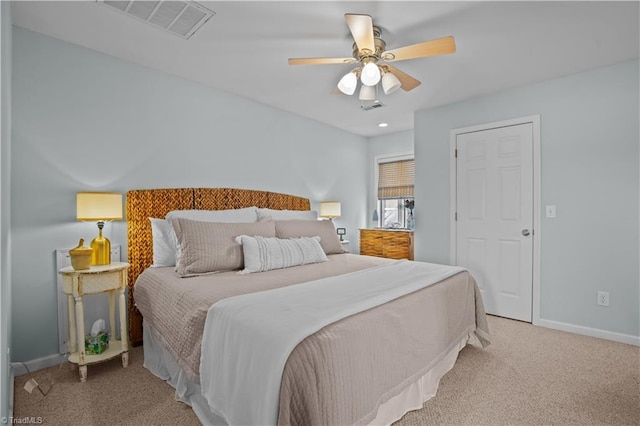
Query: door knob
(525,232)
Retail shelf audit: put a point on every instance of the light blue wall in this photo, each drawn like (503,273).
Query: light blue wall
(384,145)
(5,211)
(86,121)
(590,171)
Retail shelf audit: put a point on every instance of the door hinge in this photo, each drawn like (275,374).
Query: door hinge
(456,153)
(456,216)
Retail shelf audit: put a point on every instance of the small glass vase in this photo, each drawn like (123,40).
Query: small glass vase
(410,220)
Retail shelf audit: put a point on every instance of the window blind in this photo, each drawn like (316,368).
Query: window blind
(396,179)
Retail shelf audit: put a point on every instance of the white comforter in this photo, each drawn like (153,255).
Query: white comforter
(247,339)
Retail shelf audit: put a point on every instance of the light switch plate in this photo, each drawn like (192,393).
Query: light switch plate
(551,211)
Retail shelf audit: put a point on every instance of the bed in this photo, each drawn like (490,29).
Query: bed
(367,367)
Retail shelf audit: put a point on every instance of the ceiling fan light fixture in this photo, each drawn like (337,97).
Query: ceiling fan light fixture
(370,74)
(348,83)
(367,93)
(390,83)
(370,54)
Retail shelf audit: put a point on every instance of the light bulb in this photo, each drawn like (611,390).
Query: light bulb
(370,74)
(390,83)
(348,83)
(367,93)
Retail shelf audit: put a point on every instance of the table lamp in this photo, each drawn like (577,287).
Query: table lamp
(330,209)
(99,207)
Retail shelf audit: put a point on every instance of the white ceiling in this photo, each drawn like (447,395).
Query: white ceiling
(244,48)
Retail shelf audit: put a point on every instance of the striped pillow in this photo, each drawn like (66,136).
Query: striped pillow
(264,254)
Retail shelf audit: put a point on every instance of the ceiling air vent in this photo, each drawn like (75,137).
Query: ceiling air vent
(374,105)
(181,18)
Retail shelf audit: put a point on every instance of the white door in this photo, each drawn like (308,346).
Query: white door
(494,227)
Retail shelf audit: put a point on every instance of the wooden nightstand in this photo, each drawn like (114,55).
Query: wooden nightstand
(110,279)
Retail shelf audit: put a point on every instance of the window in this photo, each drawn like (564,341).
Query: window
(395,192)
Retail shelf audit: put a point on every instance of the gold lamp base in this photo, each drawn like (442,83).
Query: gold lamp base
(101,249)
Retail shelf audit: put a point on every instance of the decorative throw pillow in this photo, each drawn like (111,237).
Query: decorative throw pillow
(164,243)
(211,247)
(311,228)
(264,254)
(288,214)
(245,215)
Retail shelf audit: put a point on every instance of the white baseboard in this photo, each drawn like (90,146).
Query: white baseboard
(588,331)
(19,369)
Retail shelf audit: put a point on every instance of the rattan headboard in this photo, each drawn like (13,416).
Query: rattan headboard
(145,203)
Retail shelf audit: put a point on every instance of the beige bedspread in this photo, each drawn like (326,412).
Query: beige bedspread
(341,374)
(177,307)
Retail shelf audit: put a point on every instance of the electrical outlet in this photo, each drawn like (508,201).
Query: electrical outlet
(603,298)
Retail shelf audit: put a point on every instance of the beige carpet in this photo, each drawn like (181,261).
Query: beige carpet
(528,376)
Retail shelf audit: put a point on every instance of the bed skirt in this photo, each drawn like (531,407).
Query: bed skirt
(162,364)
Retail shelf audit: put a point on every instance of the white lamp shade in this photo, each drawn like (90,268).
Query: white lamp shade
(97,206)
(330,209)
(370,74)
(348,83)
(367,93)
(390,83)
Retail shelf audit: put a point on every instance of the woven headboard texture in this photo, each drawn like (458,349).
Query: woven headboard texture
(145,203)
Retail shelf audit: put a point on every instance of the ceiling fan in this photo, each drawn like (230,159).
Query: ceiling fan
(373,60)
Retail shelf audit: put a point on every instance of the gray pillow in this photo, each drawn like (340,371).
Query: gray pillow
(211,247)
(311,228)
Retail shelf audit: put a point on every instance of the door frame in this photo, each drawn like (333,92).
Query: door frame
(537,229)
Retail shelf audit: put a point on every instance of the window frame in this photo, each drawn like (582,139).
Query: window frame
(390,158)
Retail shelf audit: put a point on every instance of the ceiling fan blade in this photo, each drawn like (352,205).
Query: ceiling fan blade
(320,61)
(440,46)
(407,82)
(361,27)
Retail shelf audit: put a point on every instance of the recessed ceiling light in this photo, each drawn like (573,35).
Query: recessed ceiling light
(382,124)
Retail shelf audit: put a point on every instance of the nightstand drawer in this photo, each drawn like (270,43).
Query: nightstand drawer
(370,243)
(93,283)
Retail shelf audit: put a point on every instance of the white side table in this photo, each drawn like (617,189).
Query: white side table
(345,245)
(110,279)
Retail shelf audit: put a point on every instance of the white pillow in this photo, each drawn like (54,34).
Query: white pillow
(265,253)
(245,215)
(288,214)
(164,243)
